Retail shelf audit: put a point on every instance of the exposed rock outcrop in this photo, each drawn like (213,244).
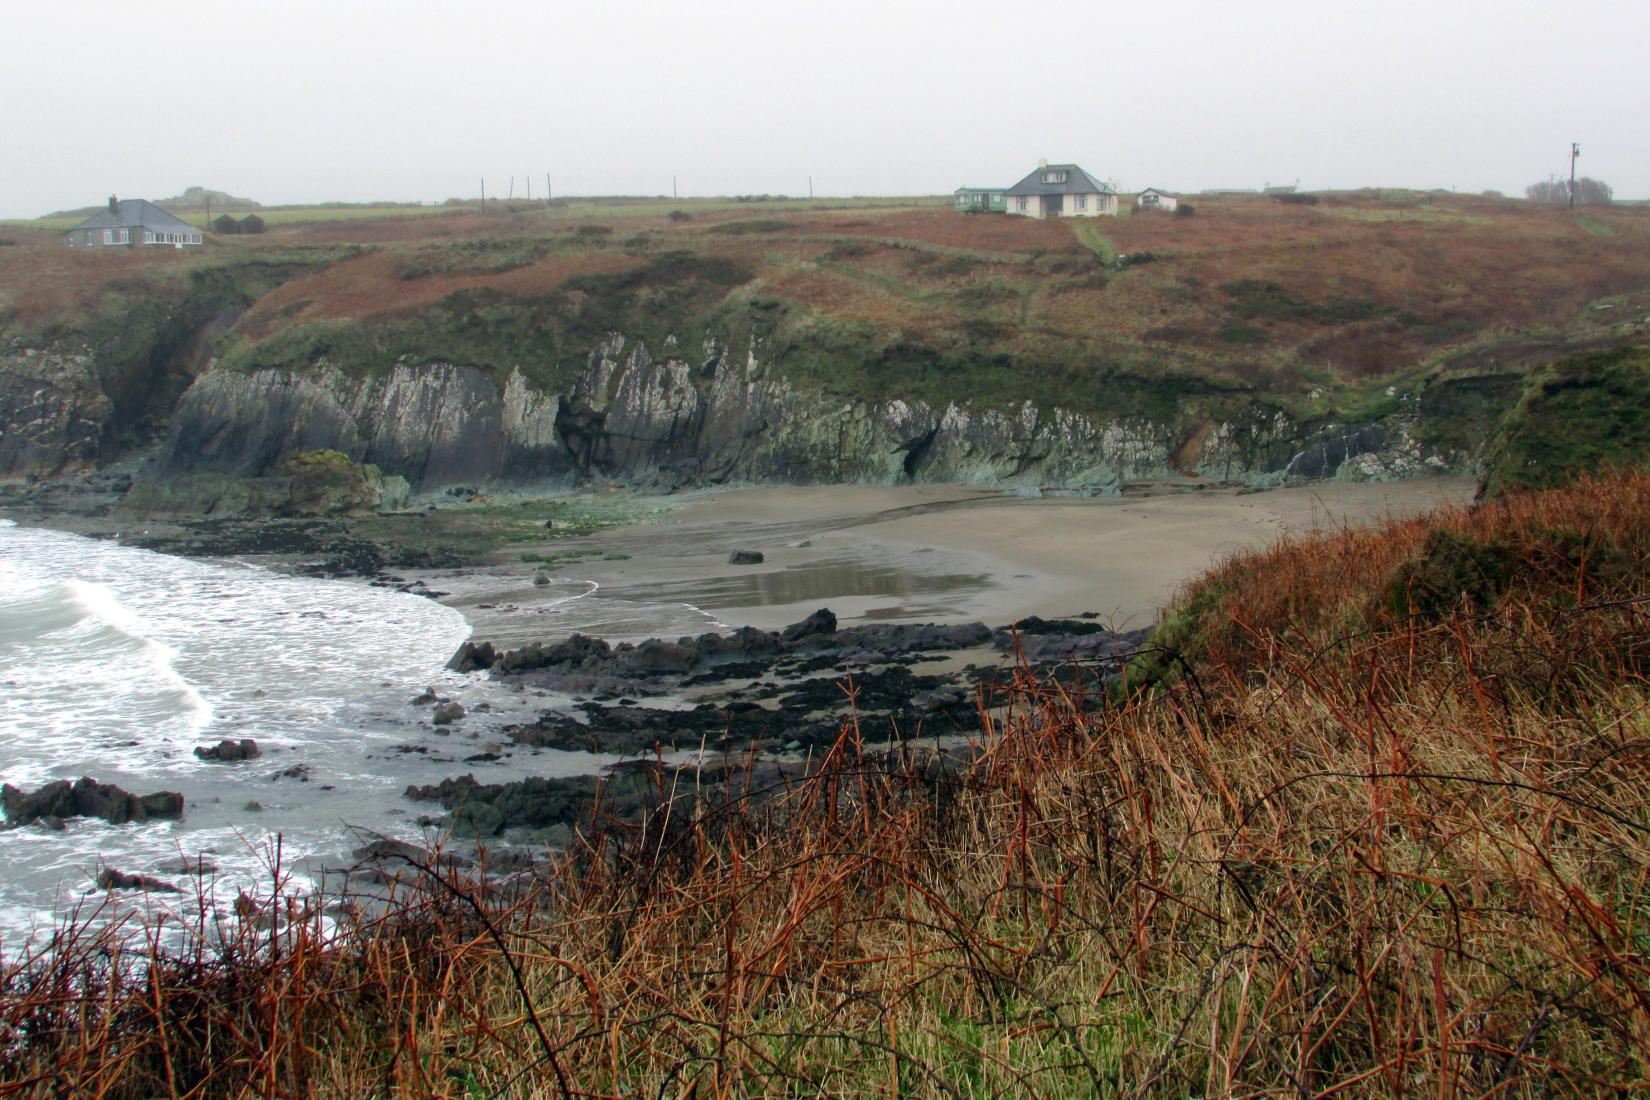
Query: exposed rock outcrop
(228,751)
(52,412)
(663,423)
(86,797)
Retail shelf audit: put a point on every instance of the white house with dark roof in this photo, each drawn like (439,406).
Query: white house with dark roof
(1153,199)
(1061,191)
(128,223)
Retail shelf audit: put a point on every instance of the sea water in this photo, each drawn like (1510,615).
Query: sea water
(116,663)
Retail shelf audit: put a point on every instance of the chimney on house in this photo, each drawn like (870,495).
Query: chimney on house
(113,203)
(1043,163)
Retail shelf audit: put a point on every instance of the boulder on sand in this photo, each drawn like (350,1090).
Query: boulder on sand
(822,621)
(745,557)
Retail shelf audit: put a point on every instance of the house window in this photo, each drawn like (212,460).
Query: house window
(1082,202)
(1054,177)
(1020,203)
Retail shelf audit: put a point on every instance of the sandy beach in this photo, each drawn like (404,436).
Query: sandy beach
(923,553)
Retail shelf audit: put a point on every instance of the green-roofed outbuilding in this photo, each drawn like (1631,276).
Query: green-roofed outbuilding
(981,200)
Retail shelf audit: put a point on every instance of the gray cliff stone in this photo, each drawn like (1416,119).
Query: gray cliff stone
(725,416)
(53,412)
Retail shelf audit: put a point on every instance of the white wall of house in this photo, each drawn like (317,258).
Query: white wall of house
(1094,205)
(1152,200)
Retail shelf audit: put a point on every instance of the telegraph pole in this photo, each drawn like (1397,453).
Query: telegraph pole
(1575,151)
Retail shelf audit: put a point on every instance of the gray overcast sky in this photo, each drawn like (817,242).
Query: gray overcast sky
(307,101)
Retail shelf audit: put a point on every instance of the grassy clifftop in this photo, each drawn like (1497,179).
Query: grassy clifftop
(1578,414)
(1321,308)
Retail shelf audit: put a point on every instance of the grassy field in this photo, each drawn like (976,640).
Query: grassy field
(1362,291)
(1383,830)
(618,207)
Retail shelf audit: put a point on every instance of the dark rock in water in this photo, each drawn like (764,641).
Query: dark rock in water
(488,809)
(447,713)
(389,852)
(345,557)
(199,865)
(227,751)
(254,807)
(745,557)
(111,879)
(86,797)
(473,657)
(388,847)
(427,696)
(822,621)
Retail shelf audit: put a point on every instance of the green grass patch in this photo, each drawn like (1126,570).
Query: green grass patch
(755,225)
(1089,235)
(1261,299)
(477,256)
(1592,225)
(1235,333)
(1579,414)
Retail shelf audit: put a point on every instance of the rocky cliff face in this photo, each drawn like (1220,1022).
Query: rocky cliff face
(721,415)
(73,399)
(53,412)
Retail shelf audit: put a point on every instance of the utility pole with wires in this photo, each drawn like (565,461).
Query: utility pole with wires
(1575,151)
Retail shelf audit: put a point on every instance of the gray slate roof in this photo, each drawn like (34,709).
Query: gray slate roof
(131,213)
(1078,182)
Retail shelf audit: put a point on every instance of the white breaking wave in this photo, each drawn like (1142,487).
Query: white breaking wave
(156,657)
(117,663)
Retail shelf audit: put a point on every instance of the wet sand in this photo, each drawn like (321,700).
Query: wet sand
(923,553)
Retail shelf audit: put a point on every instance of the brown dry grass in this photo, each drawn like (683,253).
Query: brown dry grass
(1443,281)
(1351,852)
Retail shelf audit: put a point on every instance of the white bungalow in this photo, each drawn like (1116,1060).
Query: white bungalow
(1061,191)
(1153,199)
(128,223)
